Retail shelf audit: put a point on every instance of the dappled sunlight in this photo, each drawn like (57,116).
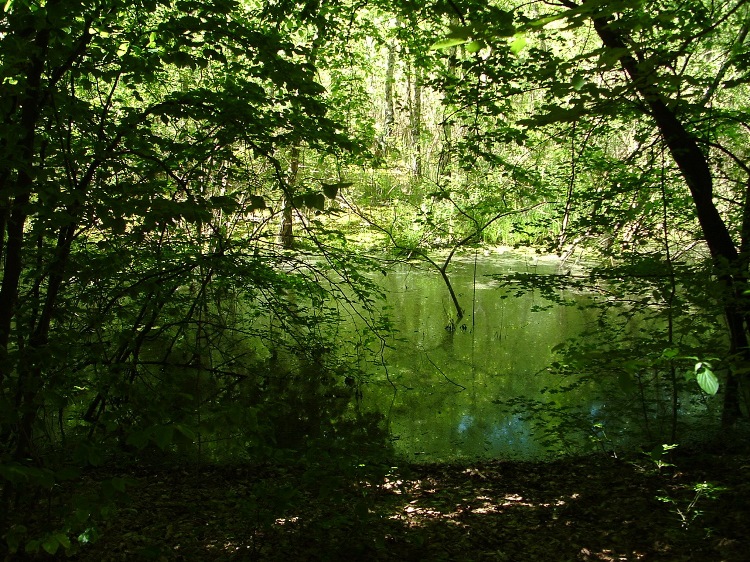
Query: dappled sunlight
(507,506)
(592,509)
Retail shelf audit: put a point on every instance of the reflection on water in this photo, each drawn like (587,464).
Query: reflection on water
(482,387)
(450,379)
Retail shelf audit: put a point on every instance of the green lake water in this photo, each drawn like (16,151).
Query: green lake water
(444,392)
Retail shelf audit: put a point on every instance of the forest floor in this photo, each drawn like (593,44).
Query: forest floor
(586,508)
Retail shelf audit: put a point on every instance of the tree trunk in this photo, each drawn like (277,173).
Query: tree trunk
(286,230)
(390,114)
(691,161)
(16,211)
(415,122)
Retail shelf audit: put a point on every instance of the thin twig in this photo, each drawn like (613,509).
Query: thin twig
(439,370)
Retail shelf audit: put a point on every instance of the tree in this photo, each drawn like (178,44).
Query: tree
(140,150)
(658,45)
(692,162)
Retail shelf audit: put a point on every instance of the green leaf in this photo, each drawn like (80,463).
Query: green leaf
(257,203)
(518,43)
(63,540)
(163,436)
(90,535)
(50,544)
(447,43)
(459,32)
(138,439)
(330,190)
(32,546)
(541,22)
(708,381)
(475,46)
(184,434)
(626,382)
(578,82)
(317,201)
(118,484)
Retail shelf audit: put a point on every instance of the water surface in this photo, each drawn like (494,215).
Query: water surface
(444,384)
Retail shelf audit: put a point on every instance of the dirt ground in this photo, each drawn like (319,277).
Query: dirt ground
(591,508)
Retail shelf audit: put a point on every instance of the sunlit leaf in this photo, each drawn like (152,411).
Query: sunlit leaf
(518,43)
(475,46)
(578,82)
(541,22)
(708,381)
(447,43)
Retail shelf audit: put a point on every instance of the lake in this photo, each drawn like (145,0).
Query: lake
(481,387)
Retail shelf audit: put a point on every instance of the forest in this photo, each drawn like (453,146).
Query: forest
(217,220)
